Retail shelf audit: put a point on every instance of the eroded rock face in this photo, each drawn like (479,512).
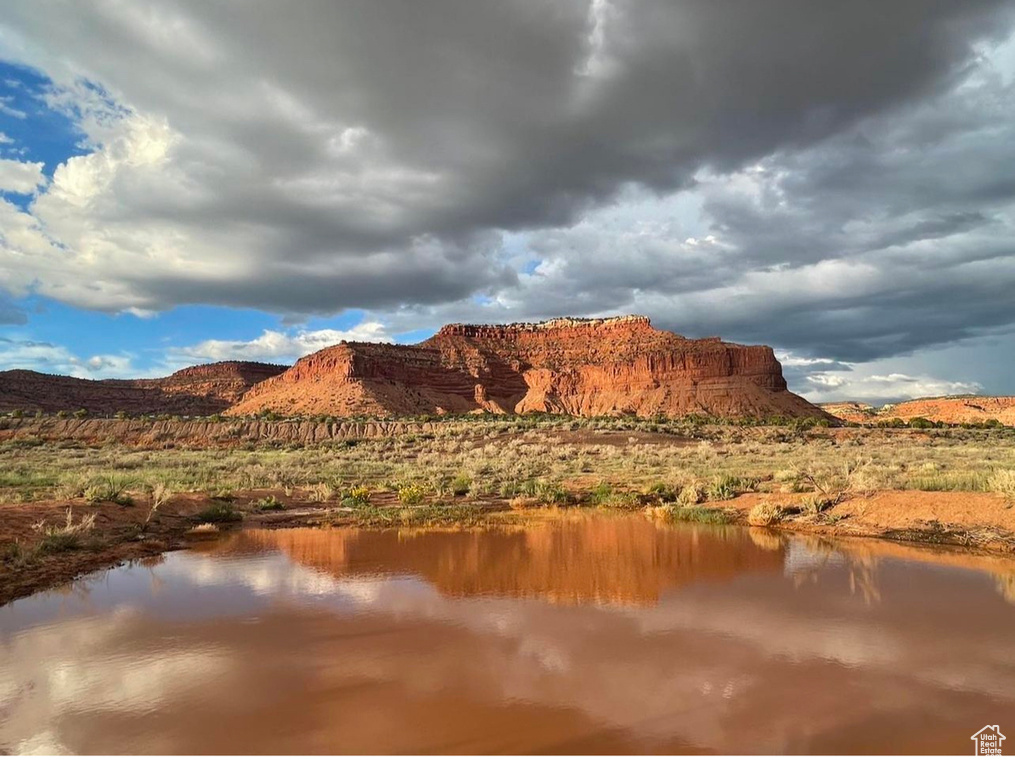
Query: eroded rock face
(580,367)
(200,390)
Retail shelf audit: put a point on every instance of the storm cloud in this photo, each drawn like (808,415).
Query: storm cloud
(835,179)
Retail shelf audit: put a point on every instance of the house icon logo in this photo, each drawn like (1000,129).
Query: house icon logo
(987,740)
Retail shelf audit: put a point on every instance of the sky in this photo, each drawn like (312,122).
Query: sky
(184,181)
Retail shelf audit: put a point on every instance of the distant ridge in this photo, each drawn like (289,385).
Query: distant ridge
(199,390)
(949,409)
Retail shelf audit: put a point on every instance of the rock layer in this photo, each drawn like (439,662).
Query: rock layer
(200,390)
(574,366)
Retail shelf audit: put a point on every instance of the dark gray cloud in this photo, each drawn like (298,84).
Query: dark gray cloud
(365,154)
(895,235)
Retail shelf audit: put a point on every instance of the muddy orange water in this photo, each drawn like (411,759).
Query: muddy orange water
(580,634)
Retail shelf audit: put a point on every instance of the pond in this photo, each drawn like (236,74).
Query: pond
(585,633)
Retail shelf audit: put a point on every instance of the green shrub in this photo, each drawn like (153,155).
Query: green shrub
(111,488)
(358,496)
(699,515)
(723,488)
(662,492)
(268,503)
(59,541)
(413,493)
(816,504)
(15,555)
(461,485)
(605,495)
(690,495)
(219,513)
(543,491)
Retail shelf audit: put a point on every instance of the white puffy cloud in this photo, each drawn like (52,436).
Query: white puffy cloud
(20,177)
(825,380)
(879,388)
(7,109)
(46,357)
(272,346)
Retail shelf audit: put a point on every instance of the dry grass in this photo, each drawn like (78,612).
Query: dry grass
(547,462)
(158,494)
(68,536)
(766,513)
(1002,481)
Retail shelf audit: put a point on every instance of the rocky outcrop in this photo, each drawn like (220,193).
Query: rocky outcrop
(196,391)
(575,366)
(962,409)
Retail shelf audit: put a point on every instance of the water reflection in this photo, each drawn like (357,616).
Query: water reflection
(576,560)
(586,634)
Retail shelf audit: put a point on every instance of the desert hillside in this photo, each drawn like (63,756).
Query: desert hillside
(196,391)
(961,409)
(575,366)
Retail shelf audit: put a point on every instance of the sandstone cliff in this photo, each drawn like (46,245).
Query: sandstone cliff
(196,391)
(581,367)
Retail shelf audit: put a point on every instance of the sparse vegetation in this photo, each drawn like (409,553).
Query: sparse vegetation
(766,513)
(358,496)
(411,493)
(691,494)
(469,470)
(461,485)
(534,459)
(725,487)
(204,528)
(269,504)
(605,495)
(1002,481)
(61,538)
(699,515)
(219,512)
(321,492)
(158,494)
(110,488)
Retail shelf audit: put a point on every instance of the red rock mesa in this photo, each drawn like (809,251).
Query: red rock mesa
(582,367)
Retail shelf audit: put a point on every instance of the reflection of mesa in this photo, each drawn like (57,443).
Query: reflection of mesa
(586,367)
(621,560)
